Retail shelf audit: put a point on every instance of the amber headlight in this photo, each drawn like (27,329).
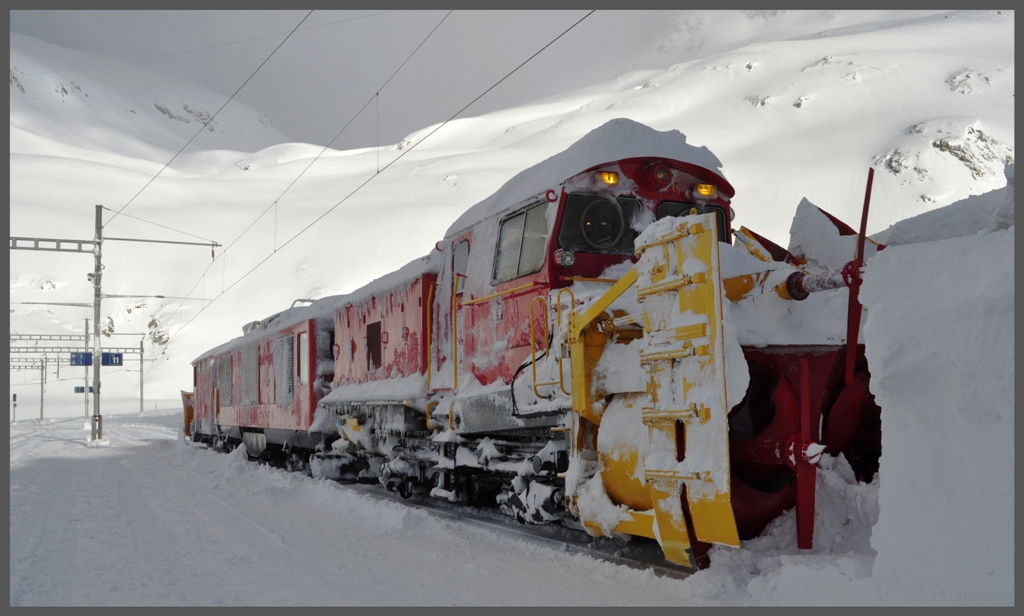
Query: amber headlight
(704,191)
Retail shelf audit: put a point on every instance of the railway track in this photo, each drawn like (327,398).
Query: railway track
(638,553)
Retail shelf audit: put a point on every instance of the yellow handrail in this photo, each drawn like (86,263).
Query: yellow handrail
(430,304)
(533,338)
(582,279)
(558,316)
(572,303)
(455,342)
(432,403)
(498,294)
(574,337)
(533,341)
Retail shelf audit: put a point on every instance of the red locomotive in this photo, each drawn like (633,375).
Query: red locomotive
(563,355)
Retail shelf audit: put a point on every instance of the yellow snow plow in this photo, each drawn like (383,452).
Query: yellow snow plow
(676,469)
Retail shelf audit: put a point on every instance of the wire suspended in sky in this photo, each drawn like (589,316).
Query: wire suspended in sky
(208,121)
(371,178)
(310,164)
(160,225)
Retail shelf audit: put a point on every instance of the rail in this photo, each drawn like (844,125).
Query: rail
(499,293)
(584,279)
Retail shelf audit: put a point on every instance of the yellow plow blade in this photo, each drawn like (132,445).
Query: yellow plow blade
(683,354)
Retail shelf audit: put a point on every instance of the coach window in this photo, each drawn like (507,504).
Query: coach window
(303,358)
(460,260)
(521,243)
(373,346)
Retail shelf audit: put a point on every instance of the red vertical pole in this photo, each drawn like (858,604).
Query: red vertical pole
(853,315)
(806,473)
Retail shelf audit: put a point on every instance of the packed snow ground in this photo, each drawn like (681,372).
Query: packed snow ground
(926,98)
(151,521)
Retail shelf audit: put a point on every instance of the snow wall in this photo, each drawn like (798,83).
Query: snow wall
(939,338)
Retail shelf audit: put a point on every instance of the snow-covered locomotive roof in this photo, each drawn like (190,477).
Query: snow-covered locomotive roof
(319,308)
(397,279)
(325,307)
(614,140)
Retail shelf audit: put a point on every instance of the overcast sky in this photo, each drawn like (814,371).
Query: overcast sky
(337,60)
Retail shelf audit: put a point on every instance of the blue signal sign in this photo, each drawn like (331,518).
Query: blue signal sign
(81,389)
(106,359)
(81,359)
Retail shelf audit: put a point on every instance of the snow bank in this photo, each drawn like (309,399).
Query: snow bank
(939,339)
(991,211)
(771,570)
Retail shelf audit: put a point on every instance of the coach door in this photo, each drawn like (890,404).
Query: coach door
(449,323)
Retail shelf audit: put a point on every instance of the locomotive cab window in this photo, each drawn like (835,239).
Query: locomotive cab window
(592,223)
(521,243)
(676,208)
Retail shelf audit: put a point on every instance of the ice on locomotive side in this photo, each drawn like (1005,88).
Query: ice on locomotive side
(564,357)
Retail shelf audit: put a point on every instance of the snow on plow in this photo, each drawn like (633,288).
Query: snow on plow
(684,408)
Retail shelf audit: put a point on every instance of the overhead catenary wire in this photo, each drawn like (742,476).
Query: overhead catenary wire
(310,164)
(160,225)
(396,159)
(167,164)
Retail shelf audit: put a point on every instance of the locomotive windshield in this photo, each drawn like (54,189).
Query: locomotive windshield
(676,208)
(592,223)
(602,224)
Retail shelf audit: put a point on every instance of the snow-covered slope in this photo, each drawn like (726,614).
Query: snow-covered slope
(118,108)
(799,109)
(794,105)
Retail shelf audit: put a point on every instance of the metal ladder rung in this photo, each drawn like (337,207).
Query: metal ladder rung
(687,351)
(672,475)
(675,283)
(701,413)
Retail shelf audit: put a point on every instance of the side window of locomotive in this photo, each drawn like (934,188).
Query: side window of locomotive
(591,223)
(460,260)
(675,208)
(521,243)
(303,358)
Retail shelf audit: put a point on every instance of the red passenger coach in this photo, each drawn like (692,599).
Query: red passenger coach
(263,388)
